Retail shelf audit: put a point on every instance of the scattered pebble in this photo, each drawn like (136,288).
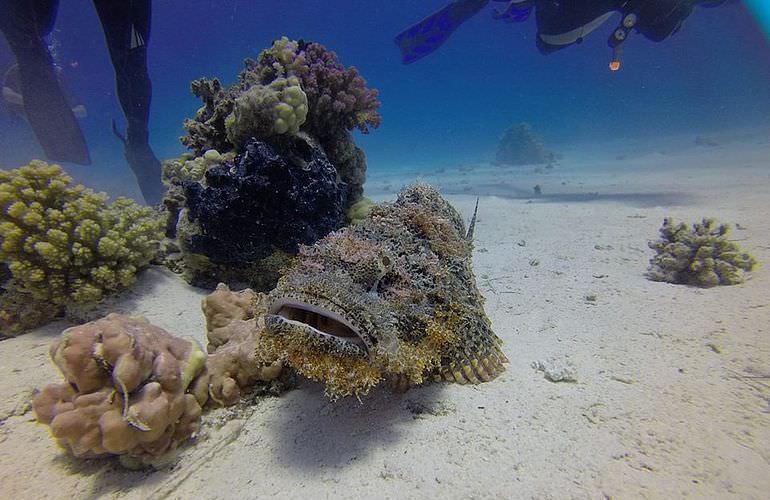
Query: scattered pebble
(715,347)
(557,370)
(622,380)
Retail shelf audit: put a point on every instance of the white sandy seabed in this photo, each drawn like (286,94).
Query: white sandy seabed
(672,386)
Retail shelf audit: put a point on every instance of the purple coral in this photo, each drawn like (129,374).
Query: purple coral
(338,97)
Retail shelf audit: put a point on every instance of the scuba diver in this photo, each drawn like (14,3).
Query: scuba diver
(126,26)
(559,23)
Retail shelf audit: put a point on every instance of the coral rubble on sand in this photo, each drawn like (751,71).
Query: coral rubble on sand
(700,255)
(391,298)
(64,246)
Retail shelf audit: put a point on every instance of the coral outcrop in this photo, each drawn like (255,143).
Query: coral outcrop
(520,145)
(291,86)
(288,118)
(131,389)
(65,246)
(259,207)
(700,255)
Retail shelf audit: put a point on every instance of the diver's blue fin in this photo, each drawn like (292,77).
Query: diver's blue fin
(422,38)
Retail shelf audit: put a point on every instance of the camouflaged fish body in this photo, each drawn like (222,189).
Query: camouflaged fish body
(391,298)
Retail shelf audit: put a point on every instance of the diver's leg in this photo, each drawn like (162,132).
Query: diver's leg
(24,24)
(126,25)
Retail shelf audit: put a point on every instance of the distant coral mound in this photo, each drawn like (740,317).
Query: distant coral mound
(700,255)
(520,145)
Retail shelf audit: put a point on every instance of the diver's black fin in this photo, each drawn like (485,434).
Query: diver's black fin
(422,38)
(49,113)
(472,224)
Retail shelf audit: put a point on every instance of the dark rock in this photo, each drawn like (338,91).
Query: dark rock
(271,198)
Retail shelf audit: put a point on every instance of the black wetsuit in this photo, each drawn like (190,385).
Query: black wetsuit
(126,26)
(561,23)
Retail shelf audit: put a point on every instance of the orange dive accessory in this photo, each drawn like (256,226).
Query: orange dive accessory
(618,37)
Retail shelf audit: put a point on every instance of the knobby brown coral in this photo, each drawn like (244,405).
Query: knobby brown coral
(128,390)
(223,306)
(236,362)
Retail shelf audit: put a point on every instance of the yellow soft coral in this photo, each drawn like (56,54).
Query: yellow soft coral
(190,168)
(64,244)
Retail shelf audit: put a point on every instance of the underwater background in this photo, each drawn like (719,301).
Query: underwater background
(447,109)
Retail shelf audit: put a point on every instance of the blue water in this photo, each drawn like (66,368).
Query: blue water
(450,107)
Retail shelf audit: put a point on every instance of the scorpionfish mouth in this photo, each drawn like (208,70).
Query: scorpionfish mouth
(330,329)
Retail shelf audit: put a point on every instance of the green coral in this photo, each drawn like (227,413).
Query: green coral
(700,255)
(360,210)
(265,110)
(191,168)
(64,246)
